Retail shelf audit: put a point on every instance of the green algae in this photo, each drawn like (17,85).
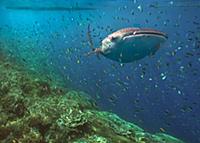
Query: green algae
(32,110)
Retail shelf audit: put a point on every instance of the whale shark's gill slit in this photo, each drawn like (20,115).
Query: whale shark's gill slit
(152,33)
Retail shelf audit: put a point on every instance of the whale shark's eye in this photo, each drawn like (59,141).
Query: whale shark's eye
(114,38)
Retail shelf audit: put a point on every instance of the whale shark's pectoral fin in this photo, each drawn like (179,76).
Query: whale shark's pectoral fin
(154,52)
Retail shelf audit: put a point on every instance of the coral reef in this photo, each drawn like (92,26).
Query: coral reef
(33,110)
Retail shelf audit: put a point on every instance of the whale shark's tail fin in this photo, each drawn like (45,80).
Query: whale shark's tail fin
(90,38)
(93,49)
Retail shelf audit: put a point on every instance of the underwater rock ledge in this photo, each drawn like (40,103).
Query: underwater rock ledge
(34,111)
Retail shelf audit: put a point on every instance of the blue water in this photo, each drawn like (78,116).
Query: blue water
(156,92)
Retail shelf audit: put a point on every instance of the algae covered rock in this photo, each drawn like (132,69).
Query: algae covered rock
(33,110)
(93,139)
(166,138)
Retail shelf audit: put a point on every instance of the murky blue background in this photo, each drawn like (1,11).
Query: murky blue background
(157,93)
